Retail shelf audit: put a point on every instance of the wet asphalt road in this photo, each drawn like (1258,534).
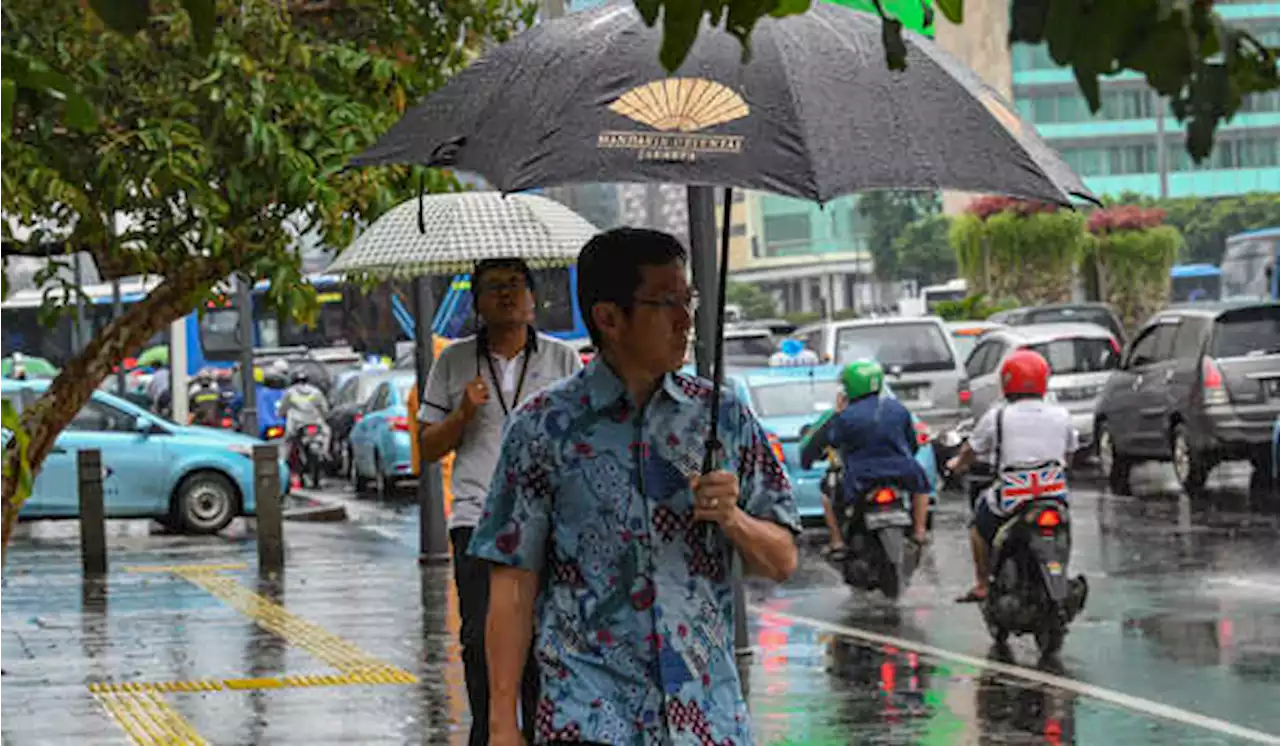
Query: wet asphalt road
(1180,642)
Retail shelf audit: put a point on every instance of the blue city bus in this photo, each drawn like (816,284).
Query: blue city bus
(369,322)
(1249,265)
(1190,283)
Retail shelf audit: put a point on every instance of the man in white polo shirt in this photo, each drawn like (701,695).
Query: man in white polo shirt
(473,386)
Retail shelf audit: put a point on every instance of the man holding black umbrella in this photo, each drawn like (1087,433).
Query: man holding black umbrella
(472,388)
(600,516)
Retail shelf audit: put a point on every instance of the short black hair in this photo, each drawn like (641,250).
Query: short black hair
(609,267)
(485,266)
(1013,397)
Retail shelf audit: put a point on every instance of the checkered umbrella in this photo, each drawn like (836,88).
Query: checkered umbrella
(448,233)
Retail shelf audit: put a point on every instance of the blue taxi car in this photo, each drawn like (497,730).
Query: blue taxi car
(787,398)
(196,479)
(381,448)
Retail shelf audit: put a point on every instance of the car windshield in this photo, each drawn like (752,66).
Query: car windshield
(1250,331)
(759,346)
(1078,355)
(1098,316)
(794,398)
(913,347)
(964,344)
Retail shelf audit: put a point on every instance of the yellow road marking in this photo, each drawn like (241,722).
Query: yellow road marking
(186,569)
(148,719)
(140,710)
(295,630)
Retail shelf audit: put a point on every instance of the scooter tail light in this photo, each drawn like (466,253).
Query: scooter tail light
(313,429)
(923,434)
(884,496)
(1049,519)
(226,422)
(399,424)
(358,417)
(775,445)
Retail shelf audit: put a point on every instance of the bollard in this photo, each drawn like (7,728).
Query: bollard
(93,522)
(266,488)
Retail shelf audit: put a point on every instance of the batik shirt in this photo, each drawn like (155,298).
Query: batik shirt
(635,613)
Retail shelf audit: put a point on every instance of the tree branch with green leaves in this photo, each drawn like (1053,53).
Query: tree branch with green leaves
(1186,52)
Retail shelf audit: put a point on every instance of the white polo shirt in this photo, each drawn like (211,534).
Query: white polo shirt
(549,360)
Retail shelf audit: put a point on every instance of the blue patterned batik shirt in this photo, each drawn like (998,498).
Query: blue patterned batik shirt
(634,638)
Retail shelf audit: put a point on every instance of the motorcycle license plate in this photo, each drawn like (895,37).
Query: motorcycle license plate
(887,519)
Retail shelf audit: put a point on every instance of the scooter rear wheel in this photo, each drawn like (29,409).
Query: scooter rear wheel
(1050,637)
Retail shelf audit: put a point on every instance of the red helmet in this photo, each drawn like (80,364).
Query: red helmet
(1024,372)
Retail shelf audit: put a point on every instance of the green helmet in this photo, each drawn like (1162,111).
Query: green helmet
(862,378)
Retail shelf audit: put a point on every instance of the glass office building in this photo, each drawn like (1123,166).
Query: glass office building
(1117,149)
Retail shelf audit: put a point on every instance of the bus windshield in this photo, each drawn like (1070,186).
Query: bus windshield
(1248,266)
(1193,283)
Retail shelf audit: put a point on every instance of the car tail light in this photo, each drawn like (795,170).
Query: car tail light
(313,429)
(964,393)
(1049,519)
(776,446)
(884,496)
(923,434)
(1115,346)
(1214,391)
(399,424)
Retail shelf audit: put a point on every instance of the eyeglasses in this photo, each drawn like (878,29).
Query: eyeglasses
(670,302)
(514,285)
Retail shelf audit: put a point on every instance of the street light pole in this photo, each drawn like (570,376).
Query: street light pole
(1162,150)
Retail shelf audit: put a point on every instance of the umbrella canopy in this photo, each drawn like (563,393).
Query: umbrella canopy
(154,356)
(447,233)
(35,367)
(815,113)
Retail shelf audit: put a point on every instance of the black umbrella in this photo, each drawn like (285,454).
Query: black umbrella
(814,114)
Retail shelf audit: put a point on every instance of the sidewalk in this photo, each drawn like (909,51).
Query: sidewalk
(184,644)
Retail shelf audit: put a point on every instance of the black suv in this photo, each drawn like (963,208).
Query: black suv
(1198,385)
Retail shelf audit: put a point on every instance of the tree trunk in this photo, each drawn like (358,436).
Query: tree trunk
(45,419)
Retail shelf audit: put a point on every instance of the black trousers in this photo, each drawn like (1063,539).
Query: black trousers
(472,579)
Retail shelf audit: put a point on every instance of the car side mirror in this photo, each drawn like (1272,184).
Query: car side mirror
(142,425)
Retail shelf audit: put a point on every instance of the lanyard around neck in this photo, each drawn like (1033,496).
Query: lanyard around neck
(483,349)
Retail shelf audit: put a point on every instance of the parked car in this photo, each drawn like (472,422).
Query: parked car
(965,335)
(787,399)
(1055,313)
(346,408)
(1081,357)
(381,448)
(1199,385)
(194,478)
(918,356)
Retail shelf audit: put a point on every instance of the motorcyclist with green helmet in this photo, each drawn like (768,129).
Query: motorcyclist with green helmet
(876,439)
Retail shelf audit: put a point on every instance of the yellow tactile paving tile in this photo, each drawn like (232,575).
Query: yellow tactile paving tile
(148,719)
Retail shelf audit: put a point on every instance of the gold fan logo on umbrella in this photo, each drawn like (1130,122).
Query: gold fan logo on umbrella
(676,109)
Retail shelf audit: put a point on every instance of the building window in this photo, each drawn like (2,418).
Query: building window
(738,229)
(1142,158)
(786,228)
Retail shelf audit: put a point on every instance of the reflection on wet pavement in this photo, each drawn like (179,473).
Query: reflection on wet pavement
(1185,613)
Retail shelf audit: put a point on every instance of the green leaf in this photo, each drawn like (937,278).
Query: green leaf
(952,9)
(895,49)
(1088,82)
(789,8)
(126,17)
(80,112)
(649,10)
(8,95)
(680,22)
(10,420)
(204,18)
